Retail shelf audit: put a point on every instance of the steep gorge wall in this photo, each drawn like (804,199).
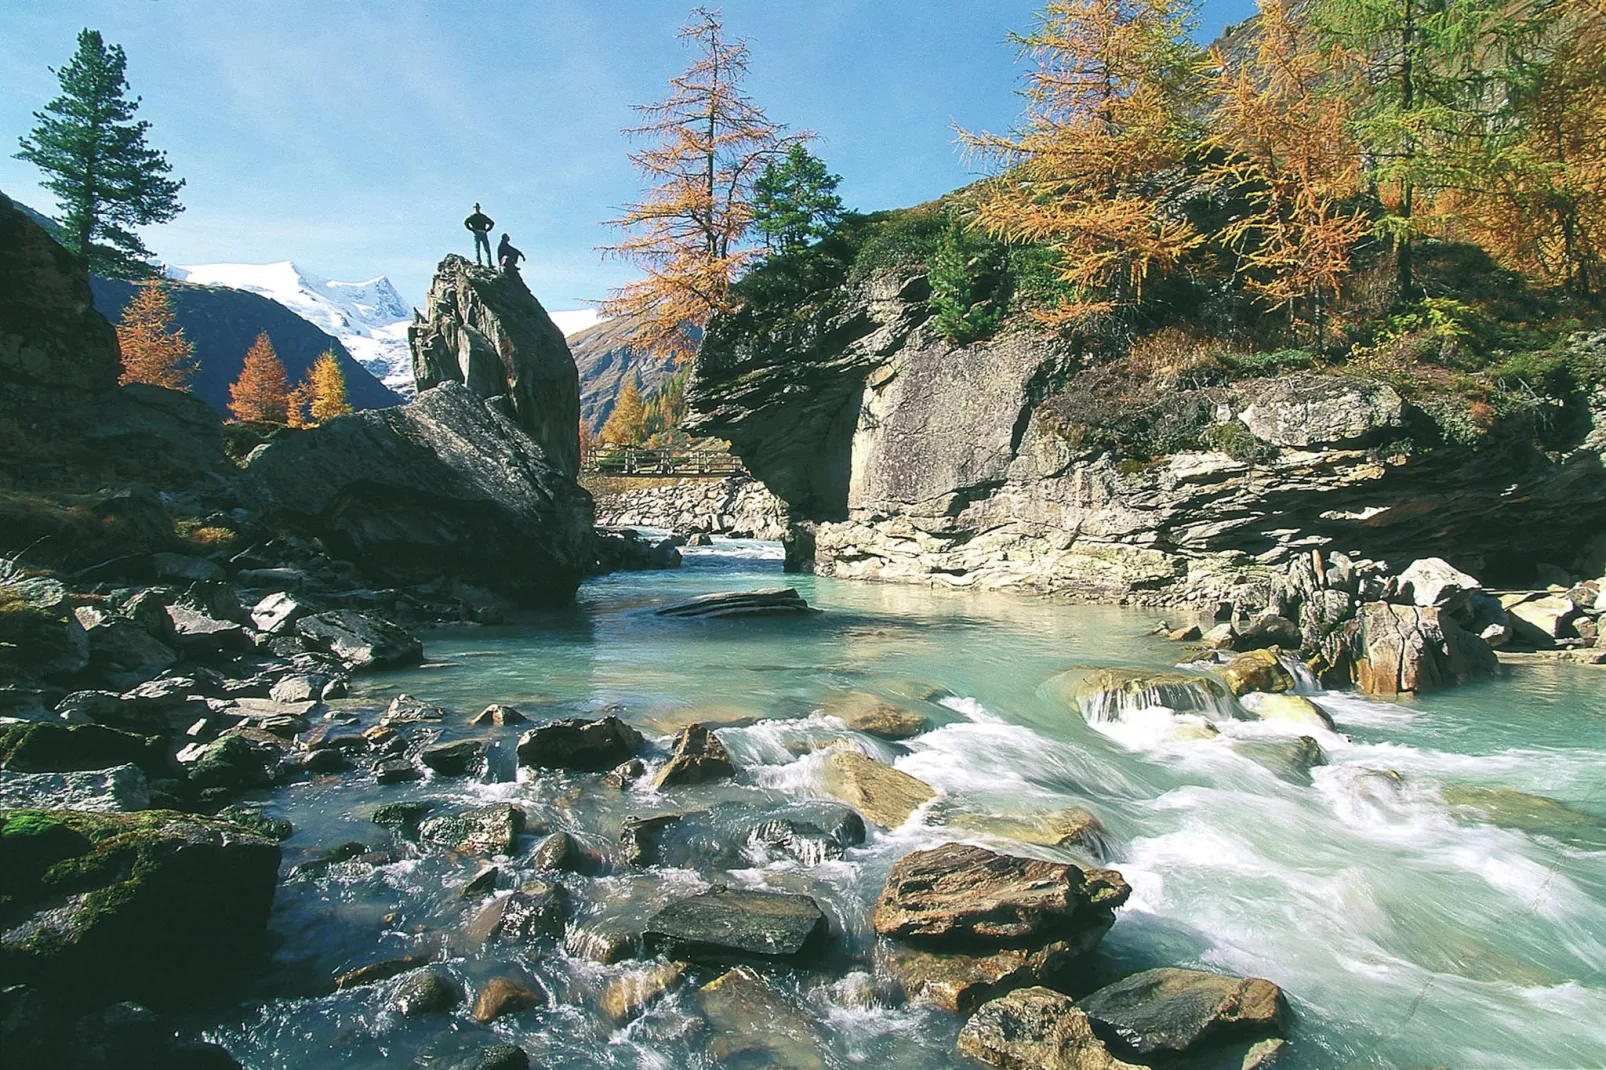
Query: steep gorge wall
(904,457)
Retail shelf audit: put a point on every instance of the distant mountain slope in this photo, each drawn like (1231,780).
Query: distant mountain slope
(370,318)
(222,323)
(605,359)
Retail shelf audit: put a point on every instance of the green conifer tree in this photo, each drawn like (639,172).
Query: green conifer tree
(96,162)
(794,200)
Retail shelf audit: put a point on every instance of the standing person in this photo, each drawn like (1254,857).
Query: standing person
(507,256)
(480,224)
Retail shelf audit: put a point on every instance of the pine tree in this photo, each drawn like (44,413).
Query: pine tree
(262,393)
(98,165)
(1097,157)
(627,423)
(328,389)
(709,142)
(155,350)
(1284,150)
(794,200)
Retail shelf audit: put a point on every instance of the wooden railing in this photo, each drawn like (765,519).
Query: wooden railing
(639,461)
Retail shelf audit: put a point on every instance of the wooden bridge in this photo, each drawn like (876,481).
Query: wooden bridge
(670,463)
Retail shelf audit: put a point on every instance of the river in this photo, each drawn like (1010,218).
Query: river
(1417,905)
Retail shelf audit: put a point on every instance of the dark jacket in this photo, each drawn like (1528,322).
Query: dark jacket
(506,253)
(479,221)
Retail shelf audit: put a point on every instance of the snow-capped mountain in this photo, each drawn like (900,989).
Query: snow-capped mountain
(369,317)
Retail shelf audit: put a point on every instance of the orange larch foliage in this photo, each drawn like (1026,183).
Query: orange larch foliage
(262,393)
(328,384)
(154,350)
(708,143)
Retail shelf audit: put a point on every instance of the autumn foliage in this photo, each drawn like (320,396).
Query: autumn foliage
(262,393)
(155,351)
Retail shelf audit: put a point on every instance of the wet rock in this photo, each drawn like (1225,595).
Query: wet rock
(875,716)
(624,774)
(505,995)
(879,792)
(1513,809)
(1290,709)
(1221,637)
(765,602)
(535,911)
(374,972)
(495,1057)
(359,640)
(491,830)
(1264,1053)
(426,992)
(44,747)
(606,943)
(960,981)
(1269,629)
(404,817)
(1105,694)
(120,789)
(156,905)
(1190,633)
(697,757)
(638,838)
(238,761)
(807,842)
(753,1023)
(557,852)
(396,771)
(1171,1011)
(498,715)
(1036,1029)
(576,743)
(1290,759)
(627,997)
(1394,650)
(344,852)
(1070,828)
(1433,581)
(405,710)
(462,758)
(482,882)
(963,892)
(1257,670)
(727,926)
(255,819)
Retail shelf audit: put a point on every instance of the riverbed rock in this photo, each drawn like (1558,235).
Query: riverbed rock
(277,613)
(1289,709)
(764,602)
(497,715)
(1073,828)
(1433,581)
(959,981)
(639,836)
(443,487)
(881,793)
(1290,759)
(505,995)
(463,757)
(960,892)
(427,992)
(1395,650)
(490,830)
(238,761)
(46,747)
(1105,694)
(1257,670)
(806,841)
(736,926)
(485,330)
(116,789)
(1036,1029)
(698,757)
(754,1024)
(579,744)
(406,710)
(875,716)
(159,906)
(626,997)
(1541,621)
(360,640)
(1172,1011)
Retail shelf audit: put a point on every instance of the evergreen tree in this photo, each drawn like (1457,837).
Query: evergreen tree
(262,393)
(93,152)
(794,200)
(960,313)
(627,423)
(328,389)
(154,349)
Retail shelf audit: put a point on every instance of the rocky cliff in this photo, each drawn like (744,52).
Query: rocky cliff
(488,332)
(1009,462)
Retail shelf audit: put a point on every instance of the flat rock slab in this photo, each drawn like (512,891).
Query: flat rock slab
(1036,1029)
(733,927)
(576,743)
(881,793)
(966,893)
(766,601)
(1173,1010)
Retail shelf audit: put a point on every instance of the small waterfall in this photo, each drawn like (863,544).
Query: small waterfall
(1111,695)
(1305,682)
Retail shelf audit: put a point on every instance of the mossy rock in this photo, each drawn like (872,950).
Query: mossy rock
(1258,670)
(157,906)
(47,747)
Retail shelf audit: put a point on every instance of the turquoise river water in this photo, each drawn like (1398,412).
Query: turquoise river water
(1414,900)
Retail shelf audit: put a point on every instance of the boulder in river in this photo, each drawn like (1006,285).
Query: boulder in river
(698,757)
(1257,670)
(490,830)
(960,892)
(764,602)
(881,793)
(462,757)
(626,997)
(1036,1029)
(754,1025)
(1171,1011)
(736,926)
(580,744)
(1396,650)
(1289,709)
(426,992)
(958,981)
(157,906)
(440,487)
(875,715)
(1433,581)
(1108,694)
(505,995)
(360,640)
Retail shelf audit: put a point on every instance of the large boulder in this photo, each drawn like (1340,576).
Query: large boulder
(733,927)
(881,793)
(441,487)
(1036,1029)
(576,743)
(1171,1011)
(1395,650)
(156,906)
(486,331)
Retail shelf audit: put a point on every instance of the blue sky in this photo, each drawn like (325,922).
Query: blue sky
(352,136)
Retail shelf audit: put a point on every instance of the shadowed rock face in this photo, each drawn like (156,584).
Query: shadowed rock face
(441,487)
(488,332)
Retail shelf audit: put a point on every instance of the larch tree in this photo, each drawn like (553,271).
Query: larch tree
(1090,169)
(262,392)
(154,348)
(96,162)
(627,423)
(1283,150)
(328,389)
(707,143)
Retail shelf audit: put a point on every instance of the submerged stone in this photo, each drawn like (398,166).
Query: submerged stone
(1171,1011)
(726,926)
(875,716)
(492,829)
(627,997)
(1109,694)
(765,602)
(505,995)
(753,1024)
